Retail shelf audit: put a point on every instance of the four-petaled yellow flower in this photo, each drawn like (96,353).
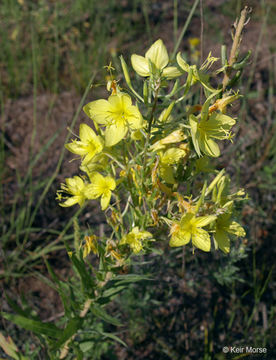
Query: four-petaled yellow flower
(117,114)
(217,126)
(89,145)
(74,186)
(134,239)
(190,227)
(100,187)
(224,227)
(156,59)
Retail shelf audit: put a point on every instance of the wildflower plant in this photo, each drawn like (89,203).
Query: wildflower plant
(146,158)
(151,150)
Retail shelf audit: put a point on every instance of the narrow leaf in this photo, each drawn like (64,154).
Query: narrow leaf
(35,326)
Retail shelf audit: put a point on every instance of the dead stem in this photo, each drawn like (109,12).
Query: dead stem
(236,43)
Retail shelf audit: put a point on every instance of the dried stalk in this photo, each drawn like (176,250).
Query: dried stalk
(236,43)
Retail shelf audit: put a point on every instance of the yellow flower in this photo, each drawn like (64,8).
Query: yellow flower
(225,226)
(168,159)
(217,126)
(157,58)
(174,137)
(74,186)
(100,187)
(89,145)
(134,239)
(190,227)
(117,114)
(99,162)
(194,41)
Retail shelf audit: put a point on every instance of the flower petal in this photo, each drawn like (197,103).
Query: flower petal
(195,133)
(110,182)
(204,220)
(166,172)
(98,110)
(222,240)
(76,147)
(209,146)
(105,199)
(201,239)
(158,54)
(115,133)
(180,238)
(140,65)
(70,201)
(182,63)
(87,134)
(171,72)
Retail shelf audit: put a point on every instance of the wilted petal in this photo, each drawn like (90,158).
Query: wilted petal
(182,63)
(236,229)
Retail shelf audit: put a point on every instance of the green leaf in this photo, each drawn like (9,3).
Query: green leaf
(114,337)
(130,278)
(16,307)
(86,279)
(86,346)
(109,293)
(99,312)
(72,327)
(35,326)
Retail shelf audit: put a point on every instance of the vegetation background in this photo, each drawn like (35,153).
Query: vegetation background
(51,53)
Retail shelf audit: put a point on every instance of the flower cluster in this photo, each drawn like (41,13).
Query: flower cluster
(145,158)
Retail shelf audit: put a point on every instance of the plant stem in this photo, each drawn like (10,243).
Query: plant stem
(236,43)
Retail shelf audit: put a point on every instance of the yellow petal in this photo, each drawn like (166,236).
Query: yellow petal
(88,135)
(204,220)
(140,65)
(180,238)
(110,182)
(182,63)
(171,72)
(75,184)
(134,118)
(114,134)
(222,240)
(98,111)
(70,201)
(237,229)
(195,133)
(97,186)
(158,54)
(105,200)
(209,146)
(201,239)
(172,156)
(76,147)
(166,172)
